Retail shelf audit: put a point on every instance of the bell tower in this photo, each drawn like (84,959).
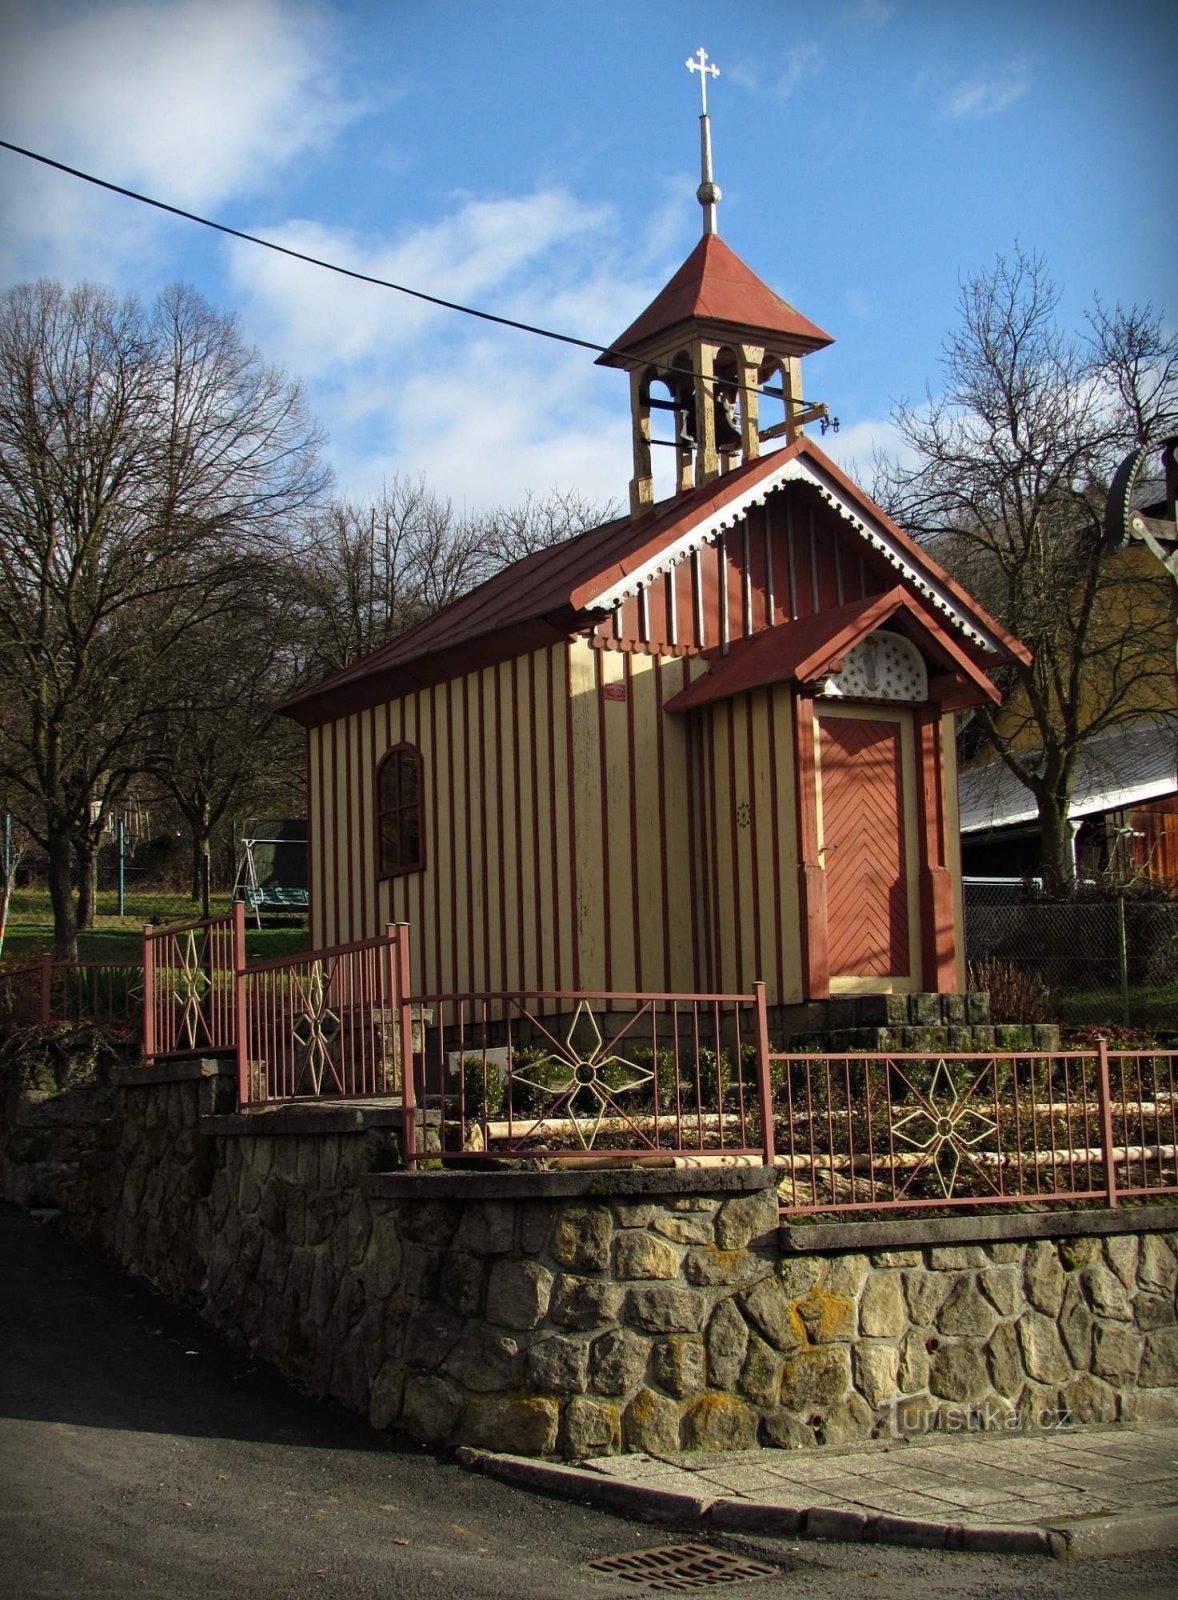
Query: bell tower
(709,347)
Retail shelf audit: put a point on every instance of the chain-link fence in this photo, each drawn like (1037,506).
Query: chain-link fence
(1109,962)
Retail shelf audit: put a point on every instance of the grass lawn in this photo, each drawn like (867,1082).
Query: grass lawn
(119,939)
(1149,1006)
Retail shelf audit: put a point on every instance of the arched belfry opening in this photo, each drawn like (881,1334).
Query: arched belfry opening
(705,348)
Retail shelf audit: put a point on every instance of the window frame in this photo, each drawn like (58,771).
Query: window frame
(397,752)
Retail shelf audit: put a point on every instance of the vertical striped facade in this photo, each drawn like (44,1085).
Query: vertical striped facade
(580,836)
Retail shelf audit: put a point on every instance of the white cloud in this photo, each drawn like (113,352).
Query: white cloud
(857,448)
(781,78)
(485,412)
(194,101)
(990,93)
(873,13)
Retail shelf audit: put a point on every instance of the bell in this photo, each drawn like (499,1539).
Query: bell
(727,418)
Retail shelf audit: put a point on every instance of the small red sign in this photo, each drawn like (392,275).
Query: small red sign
(614,691)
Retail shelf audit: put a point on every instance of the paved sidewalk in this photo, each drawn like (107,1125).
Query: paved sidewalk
(1069,1492)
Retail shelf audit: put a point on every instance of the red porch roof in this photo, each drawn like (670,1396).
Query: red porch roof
(814,646)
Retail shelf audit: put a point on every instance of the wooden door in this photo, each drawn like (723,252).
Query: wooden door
(865,835)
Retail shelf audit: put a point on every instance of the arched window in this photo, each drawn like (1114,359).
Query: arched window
(400,845)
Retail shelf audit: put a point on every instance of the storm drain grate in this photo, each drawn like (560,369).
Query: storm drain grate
(678,1568)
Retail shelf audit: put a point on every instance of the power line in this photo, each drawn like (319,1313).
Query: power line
(299,255)
(350,272)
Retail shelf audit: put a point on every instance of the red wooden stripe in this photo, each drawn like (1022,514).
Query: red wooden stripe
(664,842)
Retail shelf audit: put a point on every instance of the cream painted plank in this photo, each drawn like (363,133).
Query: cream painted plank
(523,710)
(620,932)
(464,976)
(589,798)
(953,841)
(651,934)
(560,908)
(440,850)
(790,983)
(761,802)
(684,904)
(315,836)
(723,826)
(744,909)
(511,972)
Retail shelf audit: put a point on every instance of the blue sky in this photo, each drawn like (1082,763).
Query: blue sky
(540,160)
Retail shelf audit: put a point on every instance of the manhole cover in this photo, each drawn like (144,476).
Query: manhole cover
(679,1568)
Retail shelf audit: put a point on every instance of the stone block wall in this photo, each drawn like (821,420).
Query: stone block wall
(573,1313)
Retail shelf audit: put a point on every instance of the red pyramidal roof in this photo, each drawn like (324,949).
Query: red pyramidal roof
(713,285)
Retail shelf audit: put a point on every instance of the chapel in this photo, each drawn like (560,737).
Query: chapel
(707,743)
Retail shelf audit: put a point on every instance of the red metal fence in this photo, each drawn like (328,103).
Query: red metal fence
(324,1022)
(884,1132)
(555,1075)
(189,992)
(51,991)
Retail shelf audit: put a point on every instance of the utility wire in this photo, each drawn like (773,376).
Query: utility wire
(347,272)
(299,255)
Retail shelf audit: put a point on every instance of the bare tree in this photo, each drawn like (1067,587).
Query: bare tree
(369,571)
(1012,462)
(144,454)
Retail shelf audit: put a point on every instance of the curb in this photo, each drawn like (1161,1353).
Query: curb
(1097,1536)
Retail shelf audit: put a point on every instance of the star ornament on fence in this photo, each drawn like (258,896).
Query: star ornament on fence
(945,1128)
(192,985)
(579,1071)
(316,1028)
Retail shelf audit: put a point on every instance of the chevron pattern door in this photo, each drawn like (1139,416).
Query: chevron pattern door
(864,844)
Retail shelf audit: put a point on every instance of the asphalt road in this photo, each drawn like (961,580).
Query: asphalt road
(140,1455)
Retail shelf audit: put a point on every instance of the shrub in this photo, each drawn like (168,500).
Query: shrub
(1017,994)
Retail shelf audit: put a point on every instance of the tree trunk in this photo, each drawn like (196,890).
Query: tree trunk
(201,862)
(1057,861)
(87,854)
(65,928)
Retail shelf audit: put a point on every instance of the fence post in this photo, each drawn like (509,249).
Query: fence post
(240,1011)
(1123,959)
(148,995)
(399,956)
(1104,1098)
(764,1076)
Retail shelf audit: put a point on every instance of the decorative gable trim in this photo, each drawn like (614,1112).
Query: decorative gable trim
(795,469)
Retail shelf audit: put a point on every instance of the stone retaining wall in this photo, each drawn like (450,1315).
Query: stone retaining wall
(575,1313)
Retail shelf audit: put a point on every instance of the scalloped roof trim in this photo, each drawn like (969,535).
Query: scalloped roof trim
(709,529)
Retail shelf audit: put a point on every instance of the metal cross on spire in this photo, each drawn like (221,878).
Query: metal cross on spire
(708,193)
(699,63)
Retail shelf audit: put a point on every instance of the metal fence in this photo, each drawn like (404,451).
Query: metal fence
(1083,961)
(555,1076)
(325,1023)
(190,991)
(885,1132)
(48,991)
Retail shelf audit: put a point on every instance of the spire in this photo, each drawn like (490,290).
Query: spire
(708,193)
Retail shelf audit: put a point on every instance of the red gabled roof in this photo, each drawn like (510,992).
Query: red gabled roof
(713,285)
(813,646)
(547,596)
